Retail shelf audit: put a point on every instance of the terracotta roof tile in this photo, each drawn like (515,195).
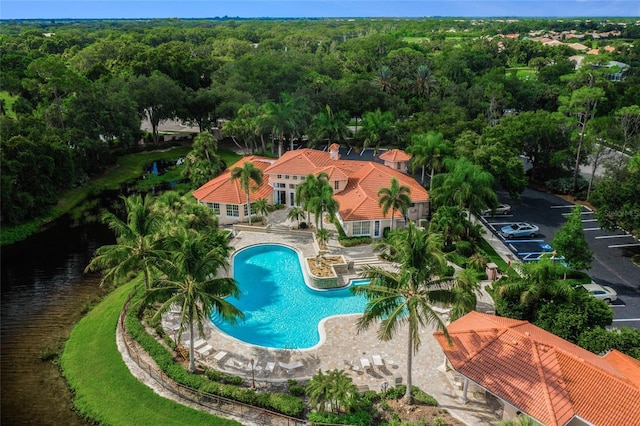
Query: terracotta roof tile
(222,190)
(541,374)
(359,199)
(395,155)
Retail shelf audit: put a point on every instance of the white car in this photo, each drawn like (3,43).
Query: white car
(502,209)
(601,292)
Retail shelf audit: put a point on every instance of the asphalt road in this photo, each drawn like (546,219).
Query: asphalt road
(612,264)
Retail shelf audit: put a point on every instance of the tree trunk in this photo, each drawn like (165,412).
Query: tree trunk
(393,214)
(407,395)
(248,205)
(192,362)
(577,168)
(280,145)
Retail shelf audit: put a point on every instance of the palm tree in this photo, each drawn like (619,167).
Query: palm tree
(396,197)
(323,236)
(296,213)
(429,150)
(466,288)
(190,281)
(329,126)
(376,125)
(247,174)
(536,283)
(322,200)
(285,118)
(335,388)
(306,190)
(404,297)
(465,185)
(424,82)
(383,79)
(262,207)
(135,246)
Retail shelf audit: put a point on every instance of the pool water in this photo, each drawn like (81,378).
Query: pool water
(280,310)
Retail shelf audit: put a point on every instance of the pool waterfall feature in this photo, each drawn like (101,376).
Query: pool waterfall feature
(326,282)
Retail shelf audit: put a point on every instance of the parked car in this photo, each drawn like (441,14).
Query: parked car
(501,209)
(601,292)
(516,230)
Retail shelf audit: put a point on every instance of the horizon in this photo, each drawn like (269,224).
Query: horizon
(314,9)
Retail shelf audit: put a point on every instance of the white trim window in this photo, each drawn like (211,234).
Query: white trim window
(215,207)
(233,210)
(362,228)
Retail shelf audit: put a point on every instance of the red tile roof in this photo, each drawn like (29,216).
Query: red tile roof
(359,200)
(395,155)
(222,190)
(541,374)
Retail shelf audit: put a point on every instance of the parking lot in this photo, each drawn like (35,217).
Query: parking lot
(612,250)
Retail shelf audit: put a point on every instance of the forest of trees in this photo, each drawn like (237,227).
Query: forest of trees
(74,94)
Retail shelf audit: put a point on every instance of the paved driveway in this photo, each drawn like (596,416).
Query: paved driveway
(612,264)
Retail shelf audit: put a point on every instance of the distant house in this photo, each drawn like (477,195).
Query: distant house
(355,185)
(536,373)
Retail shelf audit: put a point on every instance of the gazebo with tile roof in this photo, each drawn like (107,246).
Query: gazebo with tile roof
(535,372)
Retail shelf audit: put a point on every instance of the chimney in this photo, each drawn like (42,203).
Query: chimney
(334,153)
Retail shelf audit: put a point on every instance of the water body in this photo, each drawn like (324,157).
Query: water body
(280,310)
(44,293)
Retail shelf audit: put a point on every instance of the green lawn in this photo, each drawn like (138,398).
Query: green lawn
(105,390)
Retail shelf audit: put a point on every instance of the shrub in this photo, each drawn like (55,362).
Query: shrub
(358,418)
(449,271)
(355,241)
(217,376)
(465,248)
(565,185)
(295,389)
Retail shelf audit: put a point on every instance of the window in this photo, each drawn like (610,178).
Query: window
(336,185)
(286,177)
(361,228)
(302,177)
(216,208)
(233,210)
(292,186)
(279,176)
(399,166)
(280,185)
(295,178)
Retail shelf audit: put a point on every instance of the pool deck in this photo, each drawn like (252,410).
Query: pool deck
(343,348)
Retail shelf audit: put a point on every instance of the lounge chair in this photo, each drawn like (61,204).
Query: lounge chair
(377,361)
(365,364)
(218,357)
(291,366)
(204,350)
(268,369)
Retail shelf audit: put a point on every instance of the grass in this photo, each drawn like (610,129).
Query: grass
(493,256)
(105,391)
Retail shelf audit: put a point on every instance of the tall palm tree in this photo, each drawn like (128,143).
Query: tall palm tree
(465,185)
(248,174)
(376,125)
(395,197)
(322,200)
(429,150)
(136,240)
(466,288)
(329,126)
(285,118)
(190,281)
(307,191)
(404,297)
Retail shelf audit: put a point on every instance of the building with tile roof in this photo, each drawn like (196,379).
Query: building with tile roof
(541,375)
(355,185)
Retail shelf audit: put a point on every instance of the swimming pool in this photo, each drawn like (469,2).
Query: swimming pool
(280,310)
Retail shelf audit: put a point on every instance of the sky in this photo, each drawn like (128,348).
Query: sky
(136,9)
